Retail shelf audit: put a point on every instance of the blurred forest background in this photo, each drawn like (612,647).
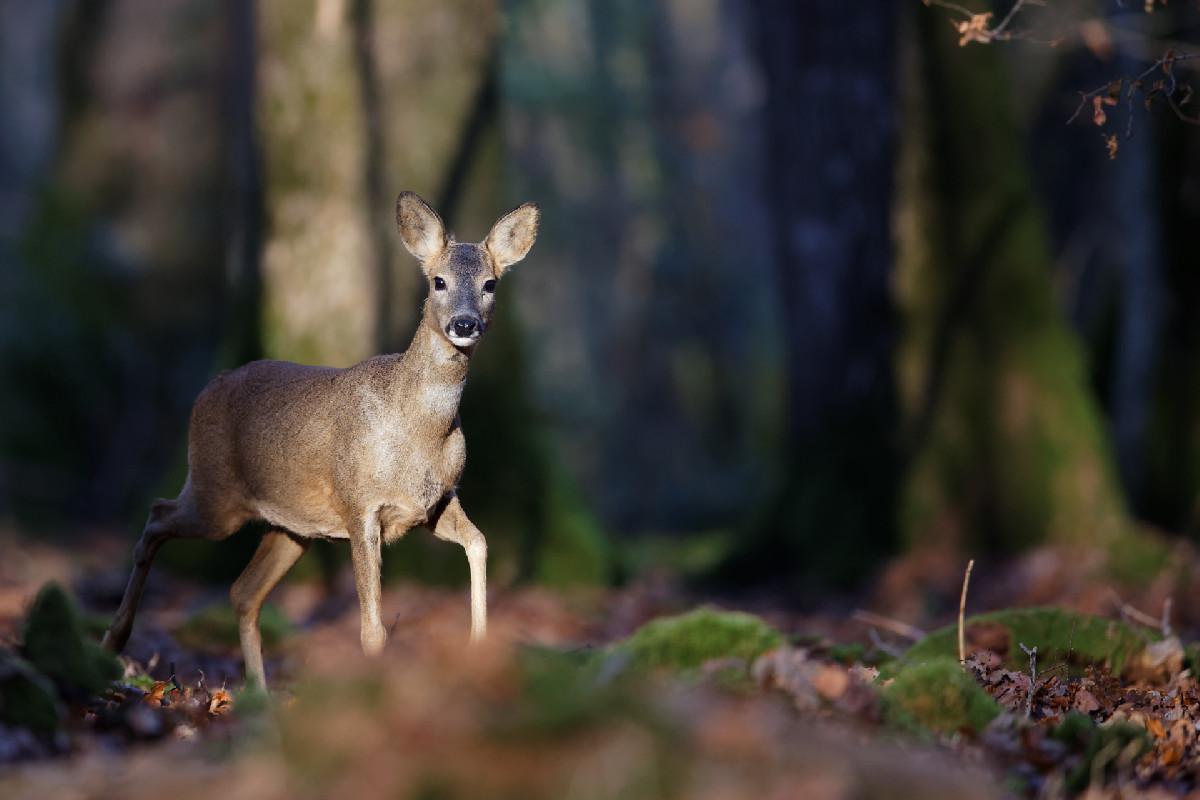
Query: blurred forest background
(816,286)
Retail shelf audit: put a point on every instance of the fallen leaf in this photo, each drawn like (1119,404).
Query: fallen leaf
(222,703)
(831,682)
(1156,729)
(1086,702)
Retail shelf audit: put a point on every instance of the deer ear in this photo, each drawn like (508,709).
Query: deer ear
(512,236)
(420,227)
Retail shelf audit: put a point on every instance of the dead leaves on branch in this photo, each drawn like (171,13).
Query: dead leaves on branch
(1157,85)
(974,29)
(976,26)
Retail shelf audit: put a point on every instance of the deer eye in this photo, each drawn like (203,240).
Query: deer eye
(439,284)
(489,286)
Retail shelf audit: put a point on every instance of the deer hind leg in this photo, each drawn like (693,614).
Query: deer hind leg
(276,554)
(453,525)
(169,519)
(366,557)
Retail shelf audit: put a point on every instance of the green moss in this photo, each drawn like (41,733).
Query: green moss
(216,626)
(937,696)
(1082,735)
(143,682)
(53,641)
(1060,636)
(27,698)
(688,640)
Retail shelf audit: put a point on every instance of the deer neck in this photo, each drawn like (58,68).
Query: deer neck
(436,373)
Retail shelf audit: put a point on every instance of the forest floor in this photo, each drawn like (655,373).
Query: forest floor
(627,692)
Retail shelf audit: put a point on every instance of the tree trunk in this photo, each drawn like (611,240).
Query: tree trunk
(1007,447)
(831,124)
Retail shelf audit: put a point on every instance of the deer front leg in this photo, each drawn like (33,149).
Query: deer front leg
(366,557)
(453,526)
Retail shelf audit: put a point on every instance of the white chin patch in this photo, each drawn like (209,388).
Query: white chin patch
(463,341)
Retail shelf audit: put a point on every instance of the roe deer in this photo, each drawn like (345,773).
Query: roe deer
(363,453)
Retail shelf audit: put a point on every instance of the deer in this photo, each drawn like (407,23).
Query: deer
(363,453)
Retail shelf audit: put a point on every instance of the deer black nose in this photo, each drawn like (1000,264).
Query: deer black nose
(464,326)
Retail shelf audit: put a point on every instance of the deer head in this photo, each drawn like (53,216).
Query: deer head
(462,277)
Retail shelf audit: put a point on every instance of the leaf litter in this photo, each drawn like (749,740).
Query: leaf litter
(705,704)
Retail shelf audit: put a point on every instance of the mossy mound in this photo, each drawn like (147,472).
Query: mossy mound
(54,643)
(216,626)
(688,640)
(1060,637)
(938,696)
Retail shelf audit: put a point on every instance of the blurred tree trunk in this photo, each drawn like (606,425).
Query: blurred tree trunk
(649,306)
(30,110)
(339,148)
(1172,495)
(243,189)
(1007,447)
(318,261)
(120,281)
(831,125)
(1107,219)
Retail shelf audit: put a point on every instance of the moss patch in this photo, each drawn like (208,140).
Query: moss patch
(688,640)
(1060,637)
(938,696)
(54,643)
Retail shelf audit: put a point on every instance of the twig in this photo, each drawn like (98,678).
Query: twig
(998,31)
(882,646)
(1129,613)
(962,607)
(1032,653)
(894,625)
(1165,62)
(1166,617)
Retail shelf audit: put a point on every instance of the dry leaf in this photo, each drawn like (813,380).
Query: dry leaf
(974,29)
(831,682)
(1155,727)
(221,703)
(1086,702)
(1171,754)
(1111,143)
(157,696)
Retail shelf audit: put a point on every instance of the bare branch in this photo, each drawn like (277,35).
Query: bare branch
(894,625)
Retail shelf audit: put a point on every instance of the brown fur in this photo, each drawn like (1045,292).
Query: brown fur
(363,453)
